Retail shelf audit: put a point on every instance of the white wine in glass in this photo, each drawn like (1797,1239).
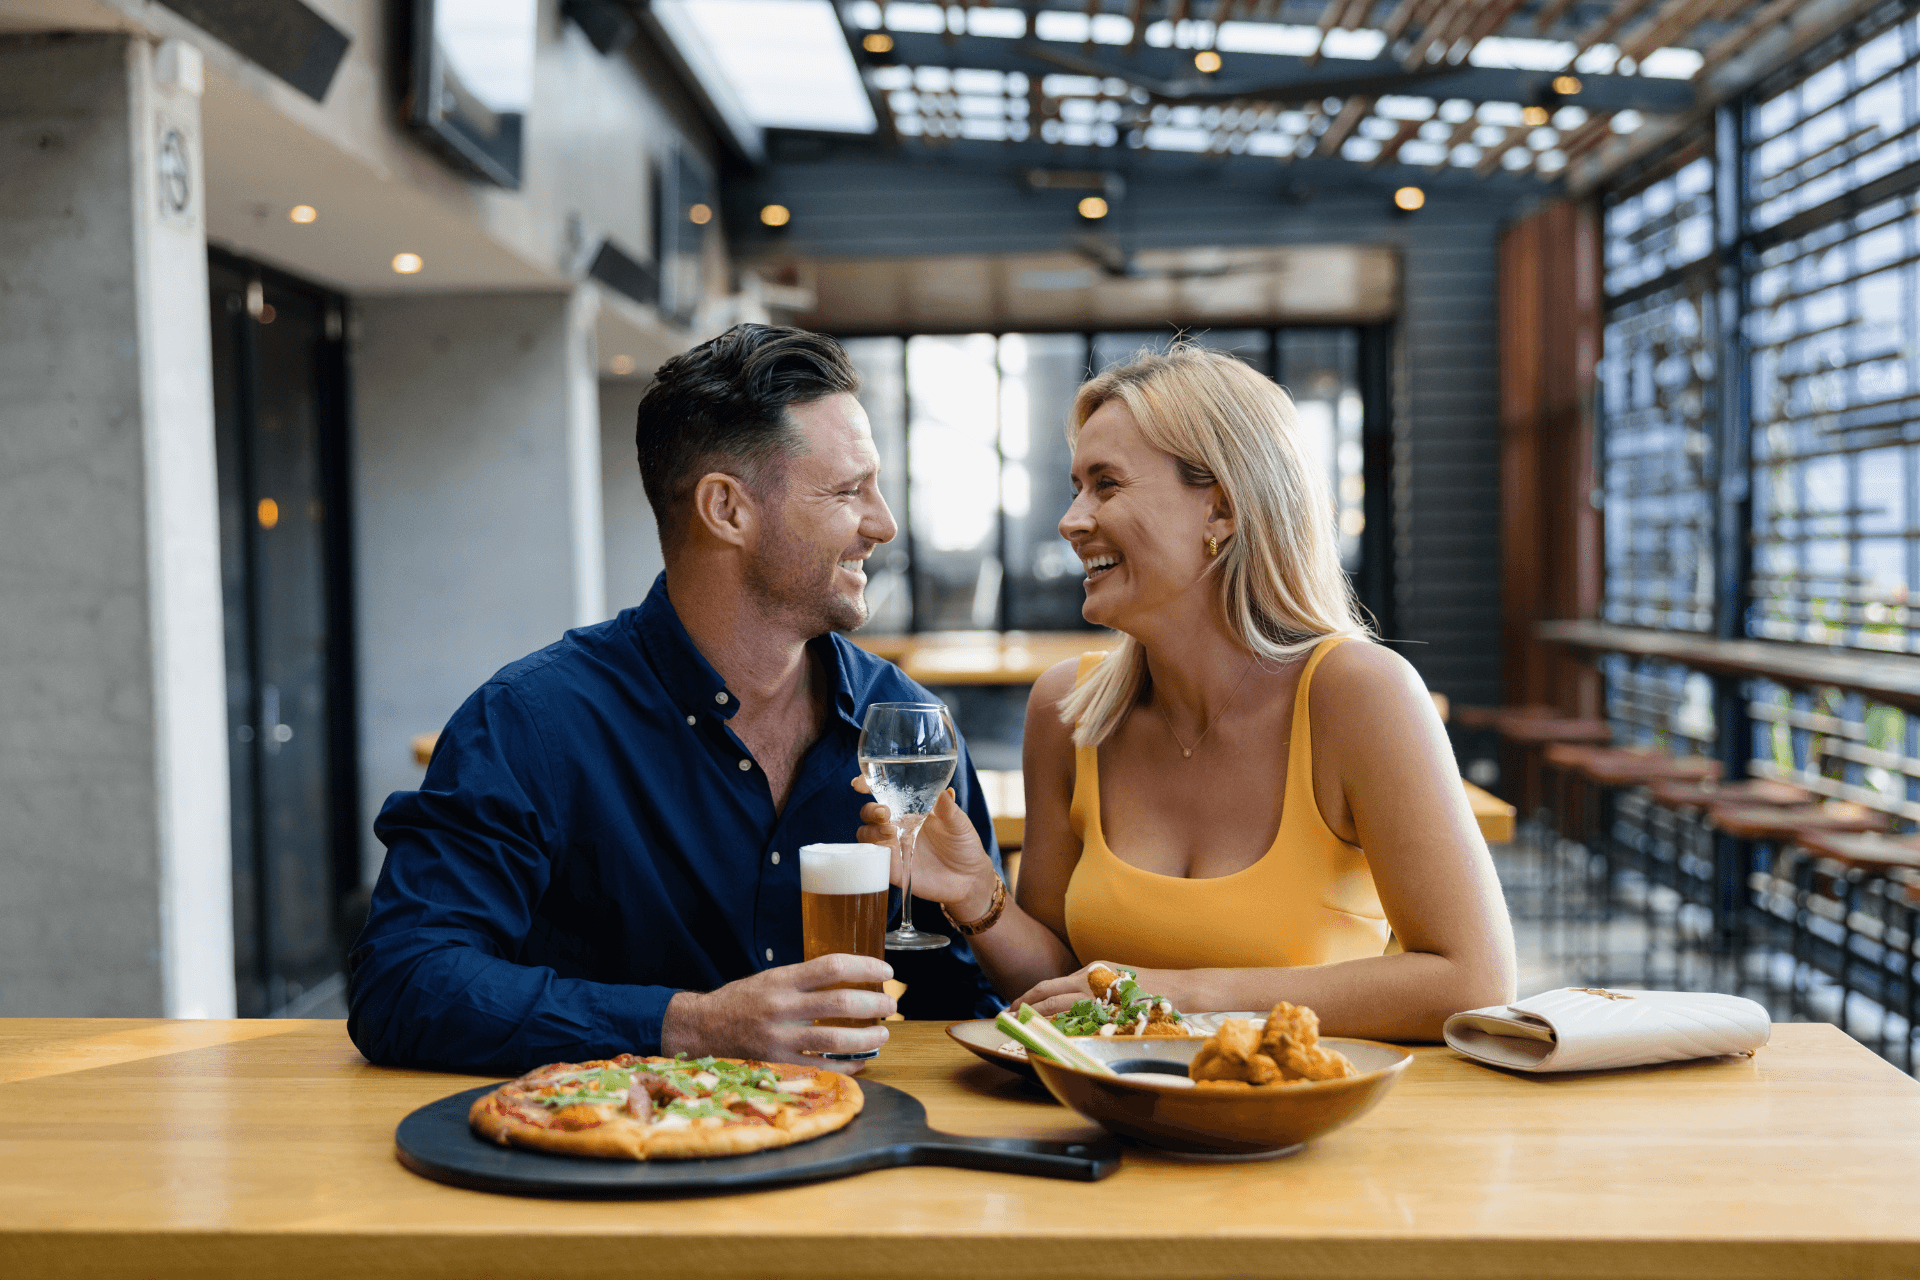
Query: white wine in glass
(908,752)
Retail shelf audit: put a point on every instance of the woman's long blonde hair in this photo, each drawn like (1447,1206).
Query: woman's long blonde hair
(1279,575)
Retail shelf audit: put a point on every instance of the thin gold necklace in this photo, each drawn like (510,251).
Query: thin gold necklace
(1186,751)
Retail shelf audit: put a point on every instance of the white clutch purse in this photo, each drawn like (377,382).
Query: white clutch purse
(1592,1029)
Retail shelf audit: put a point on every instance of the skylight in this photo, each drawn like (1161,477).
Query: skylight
(787,62)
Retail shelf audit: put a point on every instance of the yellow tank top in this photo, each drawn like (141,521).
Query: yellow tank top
(1310,899)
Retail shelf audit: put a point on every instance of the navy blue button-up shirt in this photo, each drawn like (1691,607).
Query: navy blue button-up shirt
(592,837)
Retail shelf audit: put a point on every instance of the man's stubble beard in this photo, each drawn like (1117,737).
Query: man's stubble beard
(789,590)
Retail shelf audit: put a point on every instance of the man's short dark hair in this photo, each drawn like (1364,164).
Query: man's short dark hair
(723,407)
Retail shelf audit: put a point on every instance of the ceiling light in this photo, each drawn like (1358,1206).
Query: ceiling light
(1093,207)
(877,42)
(1207,60)
(1566,86)
(776,215)
(1535,116)
(407,264)
(621,365)
(303,213)
(1409,198)
(700,215)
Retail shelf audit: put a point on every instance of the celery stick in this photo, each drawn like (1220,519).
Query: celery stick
(1039,1037)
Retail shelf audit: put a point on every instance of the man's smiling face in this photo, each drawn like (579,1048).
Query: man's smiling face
(823,518)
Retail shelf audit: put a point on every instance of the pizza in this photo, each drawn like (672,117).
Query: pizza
(679,1108)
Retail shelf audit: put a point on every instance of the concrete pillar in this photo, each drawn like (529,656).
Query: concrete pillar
(477,505)
(115,865)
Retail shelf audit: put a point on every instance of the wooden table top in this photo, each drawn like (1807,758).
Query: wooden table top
(983,657)
(256,1148)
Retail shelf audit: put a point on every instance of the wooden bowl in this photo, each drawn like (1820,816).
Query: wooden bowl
(1221,1122)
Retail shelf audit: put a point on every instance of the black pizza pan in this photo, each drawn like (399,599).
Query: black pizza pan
(890,1131)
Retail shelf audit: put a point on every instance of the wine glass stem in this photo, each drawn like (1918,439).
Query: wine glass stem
(909,836)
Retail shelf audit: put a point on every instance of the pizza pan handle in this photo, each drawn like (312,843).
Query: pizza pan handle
(1080,1161)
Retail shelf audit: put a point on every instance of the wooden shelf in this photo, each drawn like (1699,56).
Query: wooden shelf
(1891,678)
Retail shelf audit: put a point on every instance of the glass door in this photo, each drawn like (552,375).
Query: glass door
(279,421)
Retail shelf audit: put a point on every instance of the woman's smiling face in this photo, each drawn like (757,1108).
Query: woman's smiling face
(1139,530)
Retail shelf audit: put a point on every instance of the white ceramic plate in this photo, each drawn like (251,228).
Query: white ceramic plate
(984,1039)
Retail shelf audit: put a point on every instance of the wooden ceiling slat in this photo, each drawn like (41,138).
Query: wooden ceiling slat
(1623,13)
(1390,149)
(1739,38)
(1491,157)
(1357,14)
(1588,136)
(1494,19)
(1448,26)
(1461,132)
(1329,18)
(1405,16)
(1352,112)
(1675,19)
(1555,10)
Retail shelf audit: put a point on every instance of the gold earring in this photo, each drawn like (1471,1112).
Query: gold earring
(1213,547)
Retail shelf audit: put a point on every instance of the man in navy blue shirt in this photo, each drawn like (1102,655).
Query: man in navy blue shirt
(603,855)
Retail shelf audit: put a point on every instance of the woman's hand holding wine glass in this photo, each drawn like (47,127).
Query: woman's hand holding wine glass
(951,865)
(908,752)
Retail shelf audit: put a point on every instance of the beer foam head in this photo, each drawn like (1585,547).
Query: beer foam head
(844,868)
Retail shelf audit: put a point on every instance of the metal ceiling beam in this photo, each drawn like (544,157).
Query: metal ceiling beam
(1168,75)
(793,151)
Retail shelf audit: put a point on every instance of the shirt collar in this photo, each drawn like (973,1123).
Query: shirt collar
(690,679)
(848,703)
(697,688)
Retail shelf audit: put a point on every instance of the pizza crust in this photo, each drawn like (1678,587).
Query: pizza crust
(507,1116)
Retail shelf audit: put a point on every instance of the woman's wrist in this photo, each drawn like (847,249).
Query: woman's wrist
(978,899)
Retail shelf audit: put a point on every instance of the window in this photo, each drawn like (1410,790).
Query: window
(971,430)
(1834,302)
(1657,379)
(1843,126)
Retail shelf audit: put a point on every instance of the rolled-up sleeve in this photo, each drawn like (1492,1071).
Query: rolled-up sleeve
(434,979)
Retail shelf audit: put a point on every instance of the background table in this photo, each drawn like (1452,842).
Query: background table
(266,1148)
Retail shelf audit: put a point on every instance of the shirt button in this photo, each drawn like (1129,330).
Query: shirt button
(776,857)
(693,719)
(721,697)
(745,765)
(769,955)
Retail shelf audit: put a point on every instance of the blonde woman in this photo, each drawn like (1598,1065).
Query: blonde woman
(1247,800)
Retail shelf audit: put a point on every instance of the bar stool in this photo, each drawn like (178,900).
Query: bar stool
(1486,717)
(1602,777)
(1679,863)
(1762,837)
(1530,735)
(1485,720)
(1868,861)
(1561,821)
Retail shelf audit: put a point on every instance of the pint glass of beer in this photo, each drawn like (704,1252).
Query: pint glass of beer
(843,909)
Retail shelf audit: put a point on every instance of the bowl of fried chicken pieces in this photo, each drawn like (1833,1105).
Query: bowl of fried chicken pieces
(1254,1087)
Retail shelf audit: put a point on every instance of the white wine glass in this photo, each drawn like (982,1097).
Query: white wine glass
(908,752)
